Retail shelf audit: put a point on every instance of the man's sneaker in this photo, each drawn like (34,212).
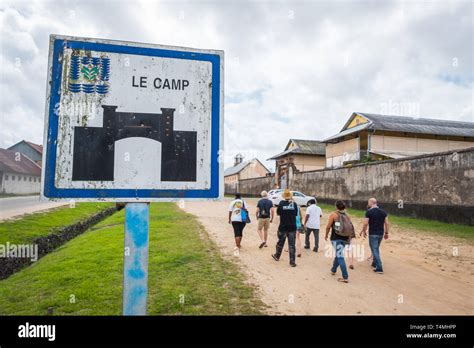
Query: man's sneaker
(236,251)
(261,245)
(378,272)
(315,250)
(266,246)
(306,246)
(293,264)
(275,258)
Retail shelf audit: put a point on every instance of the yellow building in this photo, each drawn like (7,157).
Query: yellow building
(243,170)
(378,137)
(298,156)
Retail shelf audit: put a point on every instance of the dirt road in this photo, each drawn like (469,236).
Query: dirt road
(422,276)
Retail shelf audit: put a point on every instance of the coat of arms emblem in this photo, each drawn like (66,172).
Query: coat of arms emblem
(89,74)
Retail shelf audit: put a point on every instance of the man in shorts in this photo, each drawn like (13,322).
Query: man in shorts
(264,214)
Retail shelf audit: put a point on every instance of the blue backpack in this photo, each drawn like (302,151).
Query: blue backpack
(298,219)
(244,213)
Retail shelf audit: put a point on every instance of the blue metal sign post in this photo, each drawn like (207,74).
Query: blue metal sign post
(135,264)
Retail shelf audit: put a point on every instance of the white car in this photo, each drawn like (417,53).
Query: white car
(274,192)
(300,198)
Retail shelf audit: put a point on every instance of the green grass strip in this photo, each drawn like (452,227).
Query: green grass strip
(25,229)
(187,274)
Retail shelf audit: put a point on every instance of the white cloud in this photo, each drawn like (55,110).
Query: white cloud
(293,69)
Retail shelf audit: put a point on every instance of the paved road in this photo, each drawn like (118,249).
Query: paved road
(16,206)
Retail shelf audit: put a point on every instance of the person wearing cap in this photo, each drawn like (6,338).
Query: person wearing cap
(287,210)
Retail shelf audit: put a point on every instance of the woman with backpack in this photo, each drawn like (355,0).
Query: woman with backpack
(238,217)
(341,228)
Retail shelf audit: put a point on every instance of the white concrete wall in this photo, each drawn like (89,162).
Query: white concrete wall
(19,185)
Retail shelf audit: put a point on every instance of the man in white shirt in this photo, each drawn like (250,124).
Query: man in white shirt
(312,223)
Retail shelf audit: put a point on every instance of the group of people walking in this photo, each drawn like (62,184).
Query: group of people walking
(339,229)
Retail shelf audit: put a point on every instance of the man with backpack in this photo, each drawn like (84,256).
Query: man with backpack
(376,220)
(287,210)
(341,227)
(264,214)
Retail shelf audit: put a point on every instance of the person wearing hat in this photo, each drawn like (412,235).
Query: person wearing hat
(287,210)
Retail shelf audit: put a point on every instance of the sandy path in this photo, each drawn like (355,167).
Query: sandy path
(421,274)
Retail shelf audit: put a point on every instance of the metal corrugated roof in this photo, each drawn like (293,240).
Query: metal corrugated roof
(236,169)
(304,147)
(15,162)
(313,147)
(239,167)
(348,131)
(406,124)
(38,148)
(420,125)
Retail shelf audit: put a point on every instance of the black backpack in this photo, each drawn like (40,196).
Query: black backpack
(263,214)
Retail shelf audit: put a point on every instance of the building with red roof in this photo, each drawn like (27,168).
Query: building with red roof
(19,174)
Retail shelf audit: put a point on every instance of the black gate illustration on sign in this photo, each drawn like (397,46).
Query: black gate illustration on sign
(94,147)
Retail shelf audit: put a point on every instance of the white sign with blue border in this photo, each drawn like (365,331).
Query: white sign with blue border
(130,121)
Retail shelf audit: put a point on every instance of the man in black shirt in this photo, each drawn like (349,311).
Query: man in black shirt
(376,220)
(287,210)
(264,216)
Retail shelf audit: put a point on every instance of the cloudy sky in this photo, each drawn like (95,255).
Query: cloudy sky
(293,69)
